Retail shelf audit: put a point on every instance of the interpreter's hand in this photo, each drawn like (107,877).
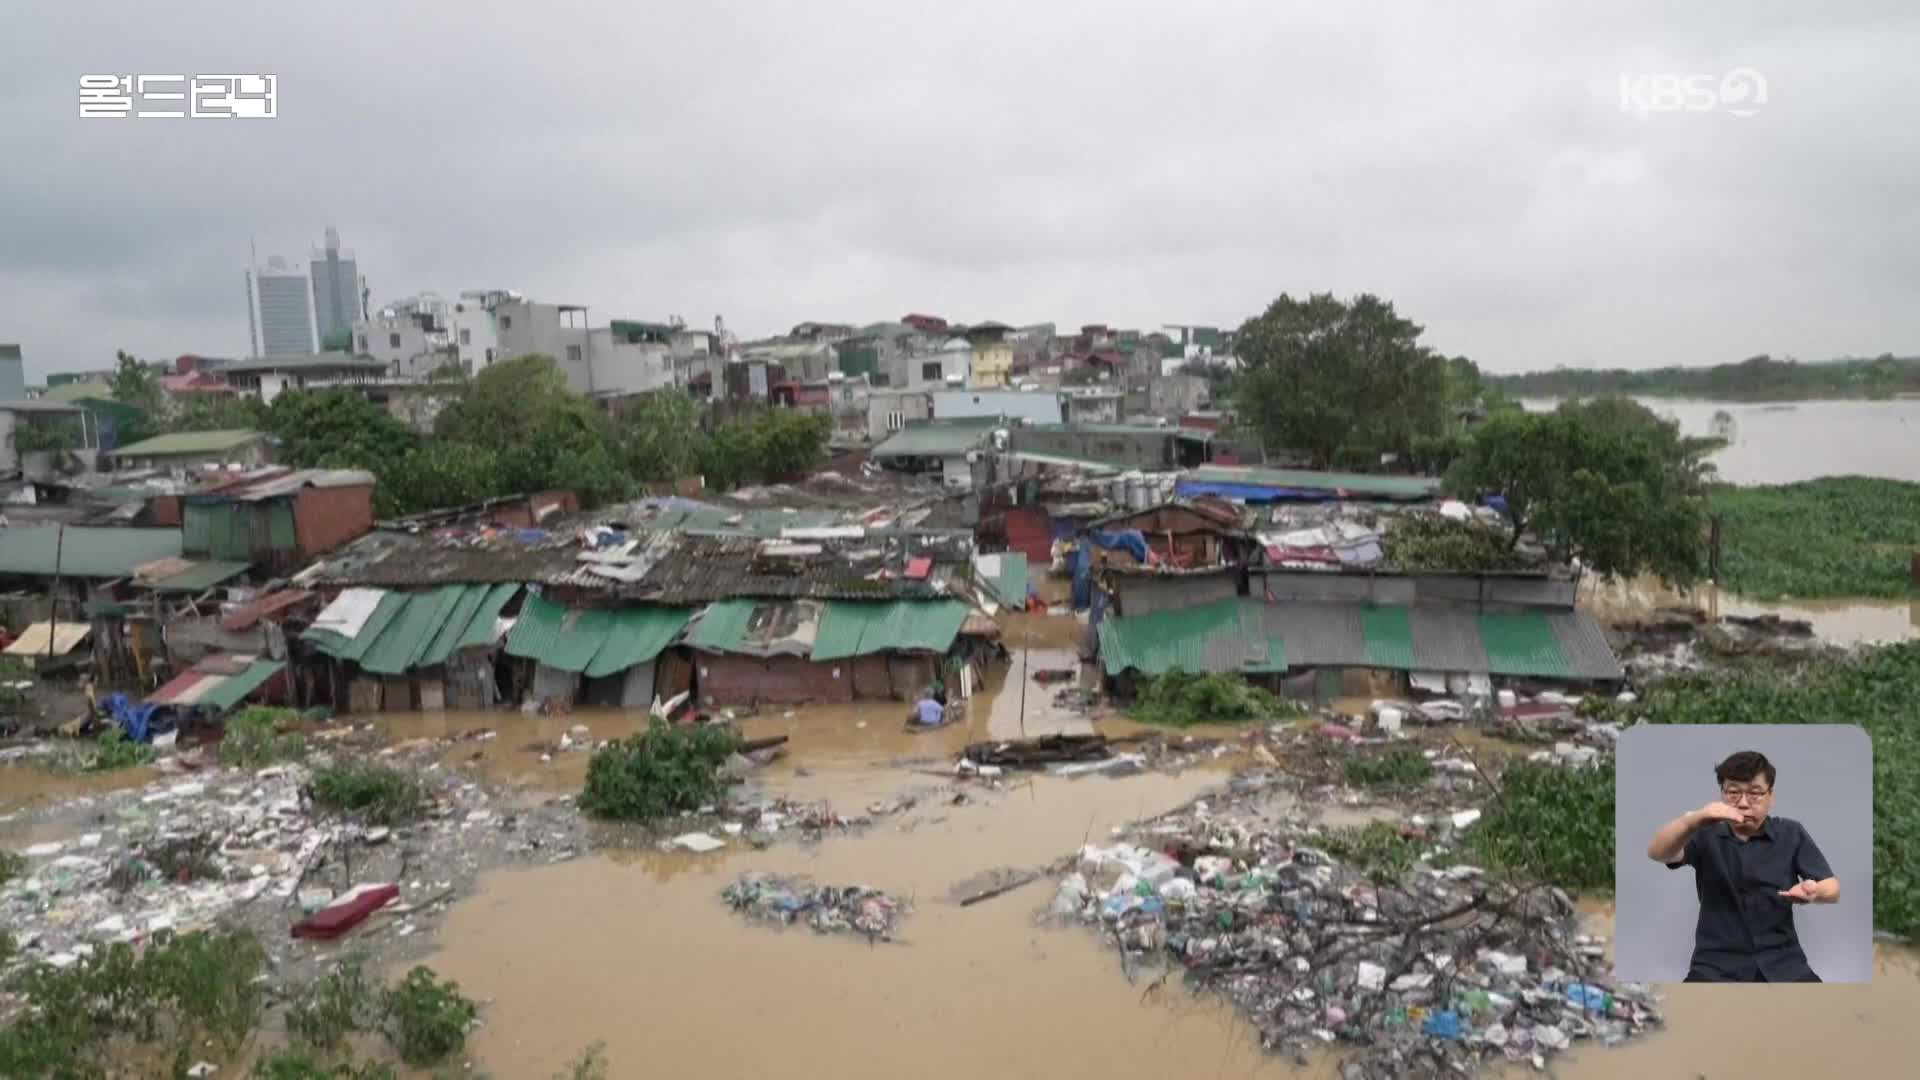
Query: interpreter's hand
(1803,893)
(1719,811)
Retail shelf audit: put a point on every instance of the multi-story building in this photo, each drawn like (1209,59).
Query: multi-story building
(282,299)
(13,374)
(339,297)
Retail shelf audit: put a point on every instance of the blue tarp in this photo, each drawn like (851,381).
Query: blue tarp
(1252,493)
(1130,541)
(132,719)
(1080,564)
(1498,502)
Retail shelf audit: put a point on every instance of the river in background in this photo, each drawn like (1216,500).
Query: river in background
(1801,440)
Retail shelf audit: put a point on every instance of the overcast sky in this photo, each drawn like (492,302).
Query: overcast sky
(1128,163)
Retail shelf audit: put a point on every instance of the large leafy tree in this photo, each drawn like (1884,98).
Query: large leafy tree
(134,383)
(218,412)
(1606,481)
(337,429)
(1320,376)
(544,435)
(659,437)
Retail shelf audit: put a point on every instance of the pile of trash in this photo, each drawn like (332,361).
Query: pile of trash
(225,846)
(1435,974)
(849,909)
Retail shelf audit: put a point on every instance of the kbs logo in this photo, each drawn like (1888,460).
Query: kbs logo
(1740,92)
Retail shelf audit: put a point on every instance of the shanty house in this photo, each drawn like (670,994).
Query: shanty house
(597,656)
(281,519)
(785,652)
(401,650)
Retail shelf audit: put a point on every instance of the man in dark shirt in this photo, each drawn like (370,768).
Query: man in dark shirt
(1750,870)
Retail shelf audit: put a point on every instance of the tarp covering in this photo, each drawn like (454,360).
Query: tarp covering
(403,631)
(722,625)
(595,642)
(855,628)
(33,640)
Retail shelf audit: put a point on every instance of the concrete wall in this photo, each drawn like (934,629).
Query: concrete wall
(1038,406)
(890,410)
(620,368)
(1090,408)
(1142,450)
(1176,395)
(249,456)
(526,327)
(399,341)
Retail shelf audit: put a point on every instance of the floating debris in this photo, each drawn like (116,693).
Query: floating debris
(848,909)
(1434,975)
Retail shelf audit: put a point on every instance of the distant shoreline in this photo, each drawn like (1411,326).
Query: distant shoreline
(1671,395)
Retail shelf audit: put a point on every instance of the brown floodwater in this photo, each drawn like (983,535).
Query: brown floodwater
(28,784)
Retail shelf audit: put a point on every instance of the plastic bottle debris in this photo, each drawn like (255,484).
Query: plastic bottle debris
(854,909)
(1306,945)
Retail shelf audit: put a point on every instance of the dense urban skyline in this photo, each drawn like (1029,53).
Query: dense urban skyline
(1003,162)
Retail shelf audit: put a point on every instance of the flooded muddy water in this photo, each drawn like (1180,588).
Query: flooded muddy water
(28,785)
(640,952)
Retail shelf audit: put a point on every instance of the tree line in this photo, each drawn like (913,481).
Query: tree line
(515,427)
(1757,378)
(1336,383)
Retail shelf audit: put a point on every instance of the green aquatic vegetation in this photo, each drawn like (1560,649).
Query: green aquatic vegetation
(1400,766)
(1838,536)
(1183,699)
(1550,823)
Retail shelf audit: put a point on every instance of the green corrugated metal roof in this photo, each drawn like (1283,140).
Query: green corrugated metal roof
(405,638)
(234,688)
(857,628)
(637,635)
(945,439)
(1388,635)
(1398,487)
(188,442)
(1156,643)
(595,641)
(1523,643)
(202,575)
(470,624)
(343,648)
(1012,586)
(415,630)
(83,551)
(722,625)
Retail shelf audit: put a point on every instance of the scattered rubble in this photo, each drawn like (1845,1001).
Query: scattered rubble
(1434,974)
(851,909)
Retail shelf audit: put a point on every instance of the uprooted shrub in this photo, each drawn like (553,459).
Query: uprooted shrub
(426,1019)
(191,990)
(1376,849)
(252,739)
(375,794)
(659,772)
(1550,823)
(1182,699)
(333,1007)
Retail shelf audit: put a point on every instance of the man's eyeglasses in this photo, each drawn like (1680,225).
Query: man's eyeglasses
(1732,795)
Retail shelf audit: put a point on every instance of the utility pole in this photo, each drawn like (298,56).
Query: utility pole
(53,593)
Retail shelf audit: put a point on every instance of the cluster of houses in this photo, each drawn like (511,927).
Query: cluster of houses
(206,588)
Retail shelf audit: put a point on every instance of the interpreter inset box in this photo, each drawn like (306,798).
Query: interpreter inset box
(1744,853)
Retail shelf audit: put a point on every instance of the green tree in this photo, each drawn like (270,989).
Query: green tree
(1321,374)
(543,434)
(218,412)
(775,444)
(437,474)
(1605,481)
(337,429)
(136,384)
(660,438)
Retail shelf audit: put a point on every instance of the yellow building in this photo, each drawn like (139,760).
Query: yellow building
(992,363)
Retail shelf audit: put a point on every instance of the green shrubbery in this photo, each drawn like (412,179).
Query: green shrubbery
(189,990)
(1839,536)
(375,794)
(1377,849)
(1183,699)
(659,772)
(1398,766)
(1550,823)
(113,750)
(1878,691)
(252,739)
